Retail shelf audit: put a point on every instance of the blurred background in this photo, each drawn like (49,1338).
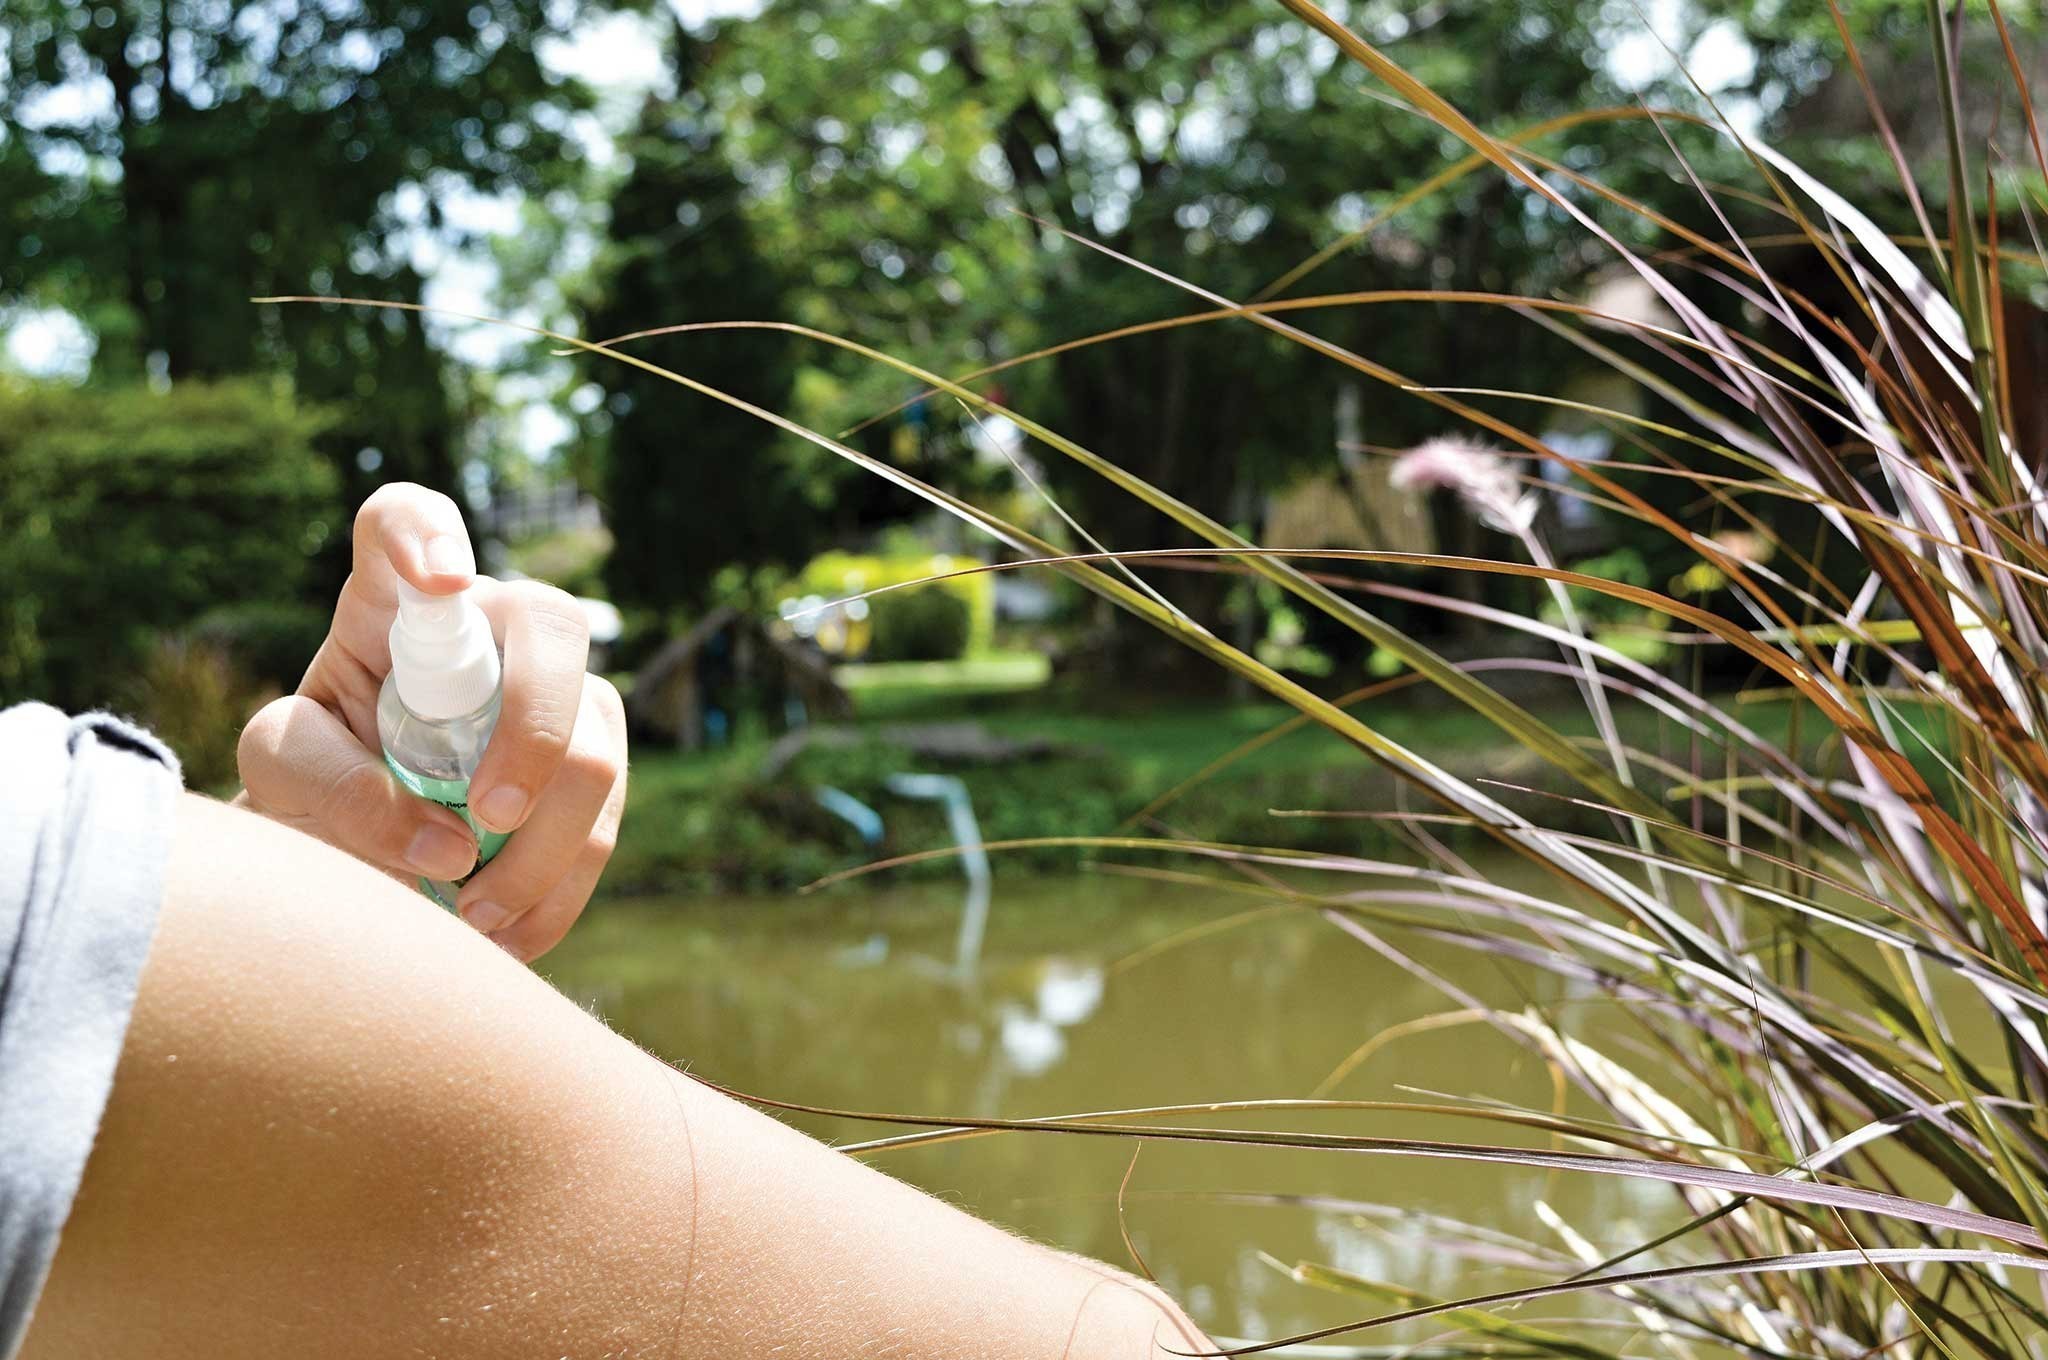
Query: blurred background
(179,465)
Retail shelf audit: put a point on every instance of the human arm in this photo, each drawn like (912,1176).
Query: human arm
(343,1125)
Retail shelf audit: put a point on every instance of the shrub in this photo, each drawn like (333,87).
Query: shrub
(946,619)
(126,512)
(572,558)
(272,641)
(196,698)
(925,624)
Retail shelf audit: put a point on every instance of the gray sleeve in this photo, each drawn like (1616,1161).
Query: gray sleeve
(86,807)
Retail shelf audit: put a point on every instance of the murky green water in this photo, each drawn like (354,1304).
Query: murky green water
(848,999)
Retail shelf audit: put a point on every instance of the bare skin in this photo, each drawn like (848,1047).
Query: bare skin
(345,1125)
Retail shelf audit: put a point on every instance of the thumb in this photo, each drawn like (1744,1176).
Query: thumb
(301,765)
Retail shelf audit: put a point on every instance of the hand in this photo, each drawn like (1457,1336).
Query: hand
(555,768)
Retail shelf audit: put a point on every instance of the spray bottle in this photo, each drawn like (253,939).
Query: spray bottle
(439,706)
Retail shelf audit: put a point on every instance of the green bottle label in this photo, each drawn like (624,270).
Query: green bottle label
(454,795)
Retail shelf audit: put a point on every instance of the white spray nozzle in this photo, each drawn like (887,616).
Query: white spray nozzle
(427,616)
(443,658)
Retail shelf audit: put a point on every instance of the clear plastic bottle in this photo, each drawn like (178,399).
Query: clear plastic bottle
(439,706)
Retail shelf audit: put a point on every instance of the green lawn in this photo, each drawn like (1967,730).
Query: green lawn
(923,682)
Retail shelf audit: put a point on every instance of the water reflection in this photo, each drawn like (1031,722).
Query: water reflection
(850,999)
(1030,1037)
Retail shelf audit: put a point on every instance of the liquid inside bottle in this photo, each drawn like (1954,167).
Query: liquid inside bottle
(434,760)
(438,708)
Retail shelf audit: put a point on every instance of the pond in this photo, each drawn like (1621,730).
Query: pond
(1101,992)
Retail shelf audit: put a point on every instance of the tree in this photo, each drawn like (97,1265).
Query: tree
(171,158)
(1222,142)
(693,485)
(1218,141)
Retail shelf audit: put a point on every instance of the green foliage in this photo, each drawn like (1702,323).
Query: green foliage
(692,485)
(703,823)
(708,821)
(1631,629)
(244,150)
(125,512)
(939,621)
(921,210)
(196,697)
(573,559)
(273,641)
(925,625)
(1284,646)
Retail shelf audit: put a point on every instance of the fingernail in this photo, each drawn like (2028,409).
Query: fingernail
(449,555)
(440,852)
(503,807)
(487,916)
